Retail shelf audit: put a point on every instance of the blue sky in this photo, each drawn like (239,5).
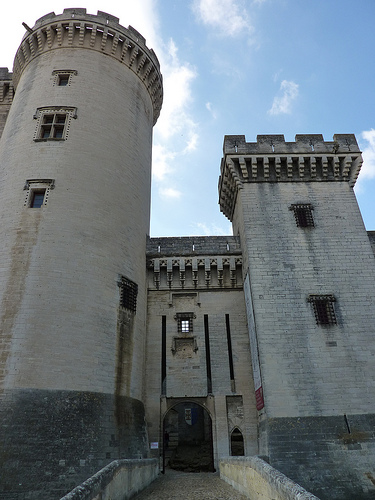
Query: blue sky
(240,67)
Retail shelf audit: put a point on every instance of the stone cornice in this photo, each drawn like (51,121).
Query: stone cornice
(271,159)
(200,272)
(102,33)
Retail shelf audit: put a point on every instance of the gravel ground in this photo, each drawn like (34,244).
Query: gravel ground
(175,485)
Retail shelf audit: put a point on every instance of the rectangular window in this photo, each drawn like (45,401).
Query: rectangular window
(63,77)
(53,123)
(128,294)
(303,214)
(53,126)
(63,80)
(323,309)
(37,192)
(184,322)
(37,198)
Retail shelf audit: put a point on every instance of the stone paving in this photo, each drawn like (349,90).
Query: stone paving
(174,485)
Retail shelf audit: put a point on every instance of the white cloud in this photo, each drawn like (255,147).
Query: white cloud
(161,159)
(177,80)
(211,110)
(368,153)
(282,103)
(169,193)
(202,228)
(175,133)
(228,17)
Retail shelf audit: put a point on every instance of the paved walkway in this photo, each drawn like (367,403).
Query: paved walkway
(174,485)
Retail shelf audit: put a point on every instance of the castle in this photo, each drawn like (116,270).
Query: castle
(117,345)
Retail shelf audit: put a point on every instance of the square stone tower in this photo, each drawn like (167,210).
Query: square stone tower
(309,282)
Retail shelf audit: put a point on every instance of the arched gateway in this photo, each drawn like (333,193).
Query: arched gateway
(187,438)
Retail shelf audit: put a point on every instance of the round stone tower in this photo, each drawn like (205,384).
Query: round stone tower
(75,159)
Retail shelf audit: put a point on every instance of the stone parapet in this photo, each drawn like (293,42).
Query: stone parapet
(195,262)
(254,478)
(120,480)
(193,245)
(271,159)
(102,33)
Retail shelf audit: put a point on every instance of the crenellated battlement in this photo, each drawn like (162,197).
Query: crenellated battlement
(304,143)
(74,28)
(271,159)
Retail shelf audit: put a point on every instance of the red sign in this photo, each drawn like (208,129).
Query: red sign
(259,398)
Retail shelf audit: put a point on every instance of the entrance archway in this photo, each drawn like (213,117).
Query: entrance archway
(236,443)
(188,444)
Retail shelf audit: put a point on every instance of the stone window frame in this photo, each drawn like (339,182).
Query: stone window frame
(128,293)
(185,322)
(323,308)
(177,340)
(33,186)
(303,214)
(58,74)
(56,112)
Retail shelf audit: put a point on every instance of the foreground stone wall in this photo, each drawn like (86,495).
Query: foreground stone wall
(51,441)
(120,480)
(331,456)
(257,480)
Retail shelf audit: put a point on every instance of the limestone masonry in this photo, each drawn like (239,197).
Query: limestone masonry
(116,345)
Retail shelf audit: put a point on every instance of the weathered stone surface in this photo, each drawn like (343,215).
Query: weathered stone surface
(329,456)
(120,480)
(51,441)
(256,479)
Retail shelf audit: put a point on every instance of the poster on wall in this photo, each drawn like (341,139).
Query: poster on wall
(253,345)
(191,415)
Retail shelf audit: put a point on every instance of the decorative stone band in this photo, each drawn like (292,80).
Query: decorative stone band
(271,159)
(203,272)
(102,33)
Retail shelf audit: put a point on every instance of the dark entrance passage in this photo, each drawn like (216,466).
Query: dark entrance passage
(236,443)
(188,443)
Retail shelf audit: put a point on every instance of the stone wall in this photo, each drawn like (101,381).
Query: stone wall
(6,96)
(215,305)
(257,480)
(120,480)
(71,350)
(51,441)
(331,456)
(314,372)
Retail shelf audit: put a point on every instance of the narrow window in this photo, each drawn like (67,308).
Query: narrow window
(163,355)
(128,294)
(63,77)
(37,192)
(236,443)
(37,198)
(303,214)
(323,309)
(230,353)
(208,354)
